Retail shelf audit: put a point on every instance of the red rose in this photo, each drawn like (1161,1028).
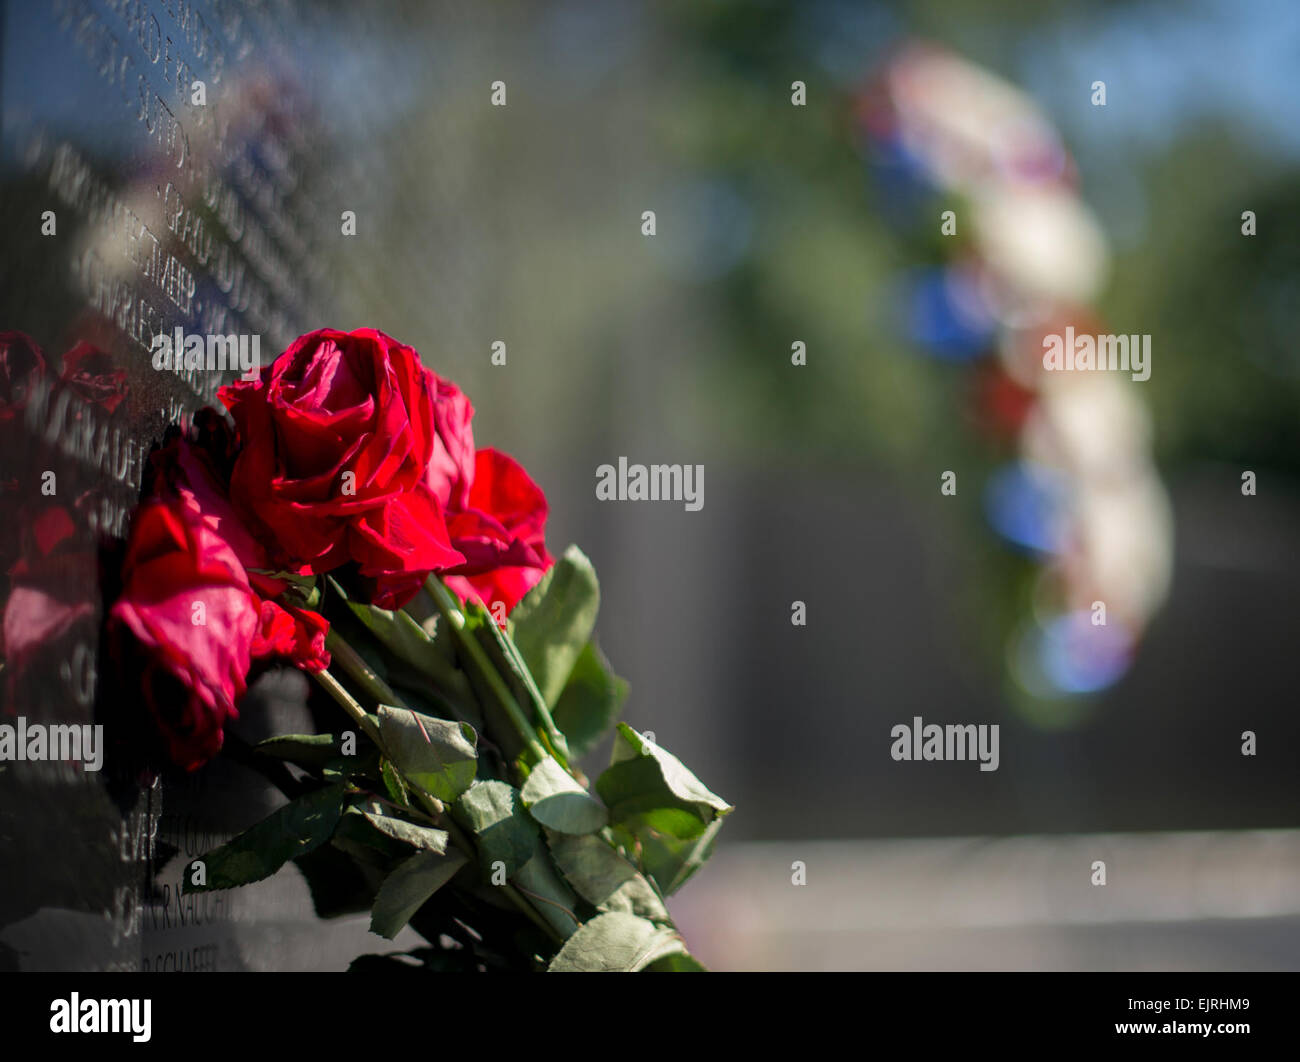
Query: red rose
(90,372)
(501,532)
(188,547)
(338,435)
(189,472)
(187,604)
(292,632)
(496,516)
(21,363)
(451,469)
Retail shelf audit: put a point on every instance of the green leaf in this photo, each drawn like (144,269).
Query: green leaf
(643,777)
(557,801)
(496,720)
(321,754)
(615,942)
(553,623)
(393,783)
(312,751)
(493,811)
(511,666)
(407,640)
(677,962)
(667,856)
(665,818)
(358,836)
(590,702)
(435,754)
(406,888)
(391,824)
(258,852)
(604,878)
(538,878)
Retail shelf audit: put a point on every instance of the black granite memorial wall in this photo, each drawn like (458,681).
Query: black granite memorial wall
(157,175)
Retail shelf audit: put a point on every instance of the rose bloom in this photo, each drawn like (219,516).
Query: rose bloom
(190,471)
(501,531)
(188,548)
(338,435)
(187,605)
(496,515)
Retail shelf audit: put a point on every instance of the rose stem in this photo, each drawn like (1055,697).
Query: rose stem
(350,659)
(511,652)
(335,689)
(469,644)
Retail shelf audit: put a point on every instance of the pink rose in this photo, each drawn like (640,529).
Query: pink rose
(187,605)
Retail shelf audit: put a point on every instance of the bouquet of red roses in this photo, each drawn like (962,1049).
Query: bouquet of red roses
(348,524)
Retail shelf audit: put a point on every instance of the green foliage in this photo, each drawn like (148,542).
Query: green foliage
(676,962)
(539,878)
(408,887)
(434,755)
(305,750)
(604,878)
(493,812)
(643,777)
(616,942)
(661,811)
(394,784)
(668,846)
(402,636)
(258,852)
(554,799)
(591,700)
(391,824)
(553,624)
(556,875)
